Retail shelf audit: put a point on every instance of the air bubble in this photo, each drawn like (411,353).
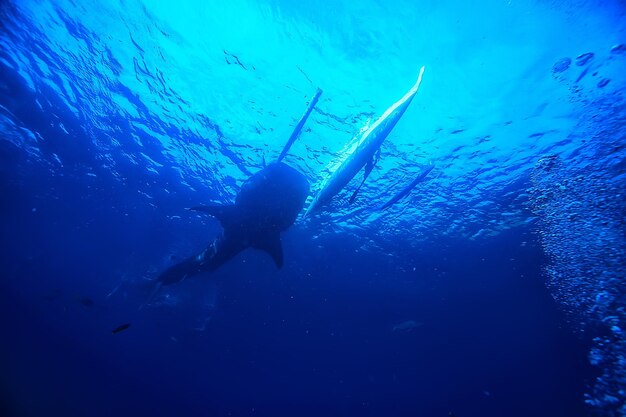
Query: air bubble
(619,49)
(561,65)
(584,59)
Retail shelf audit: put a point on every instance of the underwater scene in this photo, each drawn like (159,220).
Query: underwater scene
(313,208)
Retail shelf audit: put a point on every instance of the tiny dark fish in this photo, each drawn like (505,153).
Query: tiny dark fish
(121,328)
(87,302)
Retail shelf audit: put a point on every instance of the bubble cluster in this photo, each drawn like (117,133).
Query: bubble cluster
(581,205)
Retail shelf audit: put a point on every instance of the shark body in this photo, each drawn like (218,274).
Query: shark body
(267,204)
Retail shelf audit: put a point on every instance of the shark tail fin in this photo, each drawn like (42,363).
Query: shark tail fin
(175,273)
(273,247)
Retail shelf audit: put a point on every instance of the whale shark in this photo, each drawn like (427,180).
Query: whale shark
(267,204)
(364,154)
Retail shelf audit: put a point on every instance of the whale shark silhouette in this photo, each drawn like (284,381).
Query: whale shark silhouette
(267,204)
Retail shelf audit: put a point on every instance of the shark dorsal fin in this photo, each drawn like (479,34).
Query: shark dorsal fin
(272,245)
(223,213)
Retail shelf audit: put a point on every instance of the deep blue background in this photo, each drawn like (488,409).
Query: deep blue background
(315,338)
(114,119)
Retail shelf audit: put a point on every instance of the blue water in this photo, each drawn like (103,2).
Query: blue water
(494,288)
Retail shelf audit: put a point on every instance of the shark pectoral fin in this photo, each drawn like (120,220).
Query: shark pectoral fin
(223,213)
(272,245)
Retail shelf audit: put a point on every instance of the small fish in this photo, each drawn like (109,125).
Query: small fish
(406,326)
(121,328)
(87,302)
